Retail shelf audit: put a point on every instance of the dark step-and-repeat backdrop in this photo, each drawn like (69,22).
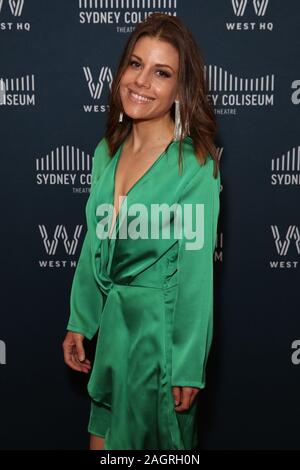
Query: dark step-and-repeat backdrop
(57,63)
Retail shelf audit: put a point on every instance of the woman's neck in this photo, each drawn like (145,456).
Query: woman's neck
(150,134)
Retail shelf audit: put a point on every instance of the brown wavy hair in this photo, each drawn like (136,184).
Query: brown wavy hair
(195,109)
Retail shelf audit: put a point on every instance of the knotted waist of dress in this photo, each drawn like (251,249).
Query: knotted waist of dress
(160,275)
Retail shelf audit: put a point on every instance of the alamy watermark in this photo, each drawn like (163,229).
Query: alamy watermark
(295,357)
(187,221)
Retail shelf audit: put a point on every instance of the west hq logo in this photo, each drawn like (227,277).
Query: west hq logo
(286,168)
(16,6)
(285,243)
(59,241)
(66,166)
(252,11)
(259,6)
(17,91)
(97,84)
(125,14)
(229,93)
(12,10)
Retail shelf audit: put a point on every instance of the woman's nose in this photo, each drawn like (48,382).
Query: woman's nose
(143,79)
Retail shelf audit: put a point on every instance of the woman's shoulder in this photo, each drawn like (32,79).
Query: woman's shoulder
(101,148)
(191,162)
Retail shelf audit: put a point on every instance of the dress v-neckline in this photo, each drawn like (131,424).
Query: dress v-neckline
(117,158)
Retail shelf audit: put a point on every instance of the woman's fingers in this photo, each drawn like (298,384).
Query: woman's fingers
(84,366)
(68,353)
(176,391)
(194,394)
(188,395)
(73,349)
(75,365)
(79,347)
(185,399)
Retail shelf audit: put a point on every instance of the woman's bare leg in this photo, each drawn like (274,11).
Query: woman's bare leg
(96,442)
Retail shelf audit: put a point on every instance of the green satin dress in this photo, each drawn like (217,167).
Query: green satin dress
(151,303)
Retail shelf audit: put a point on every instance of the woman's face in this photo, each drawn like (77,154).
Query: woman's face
(143,77)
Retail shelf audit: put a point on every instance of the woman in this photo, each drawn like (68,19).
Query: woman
(150,298)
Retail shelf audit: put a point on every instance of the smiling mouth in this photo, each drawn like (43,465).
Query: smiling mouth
(139,98)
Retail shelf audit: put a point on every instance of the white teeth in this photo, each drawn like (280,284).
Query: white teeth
(139,97)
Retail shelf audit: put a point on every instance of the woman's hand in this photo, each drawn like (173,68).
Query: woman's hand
(74,354)
(184,397)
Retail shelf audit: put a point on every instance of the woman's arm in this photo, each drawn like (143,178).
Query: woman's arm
(193,313)
(86,299)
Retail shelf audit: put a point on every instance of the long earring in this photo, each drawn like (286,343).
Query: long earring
(178,125)
(121,116)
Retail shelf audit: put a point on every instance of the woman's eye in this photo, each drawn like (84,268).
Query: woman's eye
(133,62)
(164,74)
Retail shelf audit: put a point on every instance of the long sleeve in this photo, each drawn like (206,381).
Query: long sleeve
(86,300)
(193,313)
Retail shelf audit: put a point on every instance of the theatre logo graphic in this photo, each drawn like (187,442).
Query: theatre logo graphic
(16,92)
(123,15)
(218,253)
(2,353)
(285,169)
(230,93)
(65,166)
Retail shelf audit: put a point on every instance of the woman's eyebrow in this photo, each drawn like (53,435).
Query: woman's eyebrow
(158,65)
